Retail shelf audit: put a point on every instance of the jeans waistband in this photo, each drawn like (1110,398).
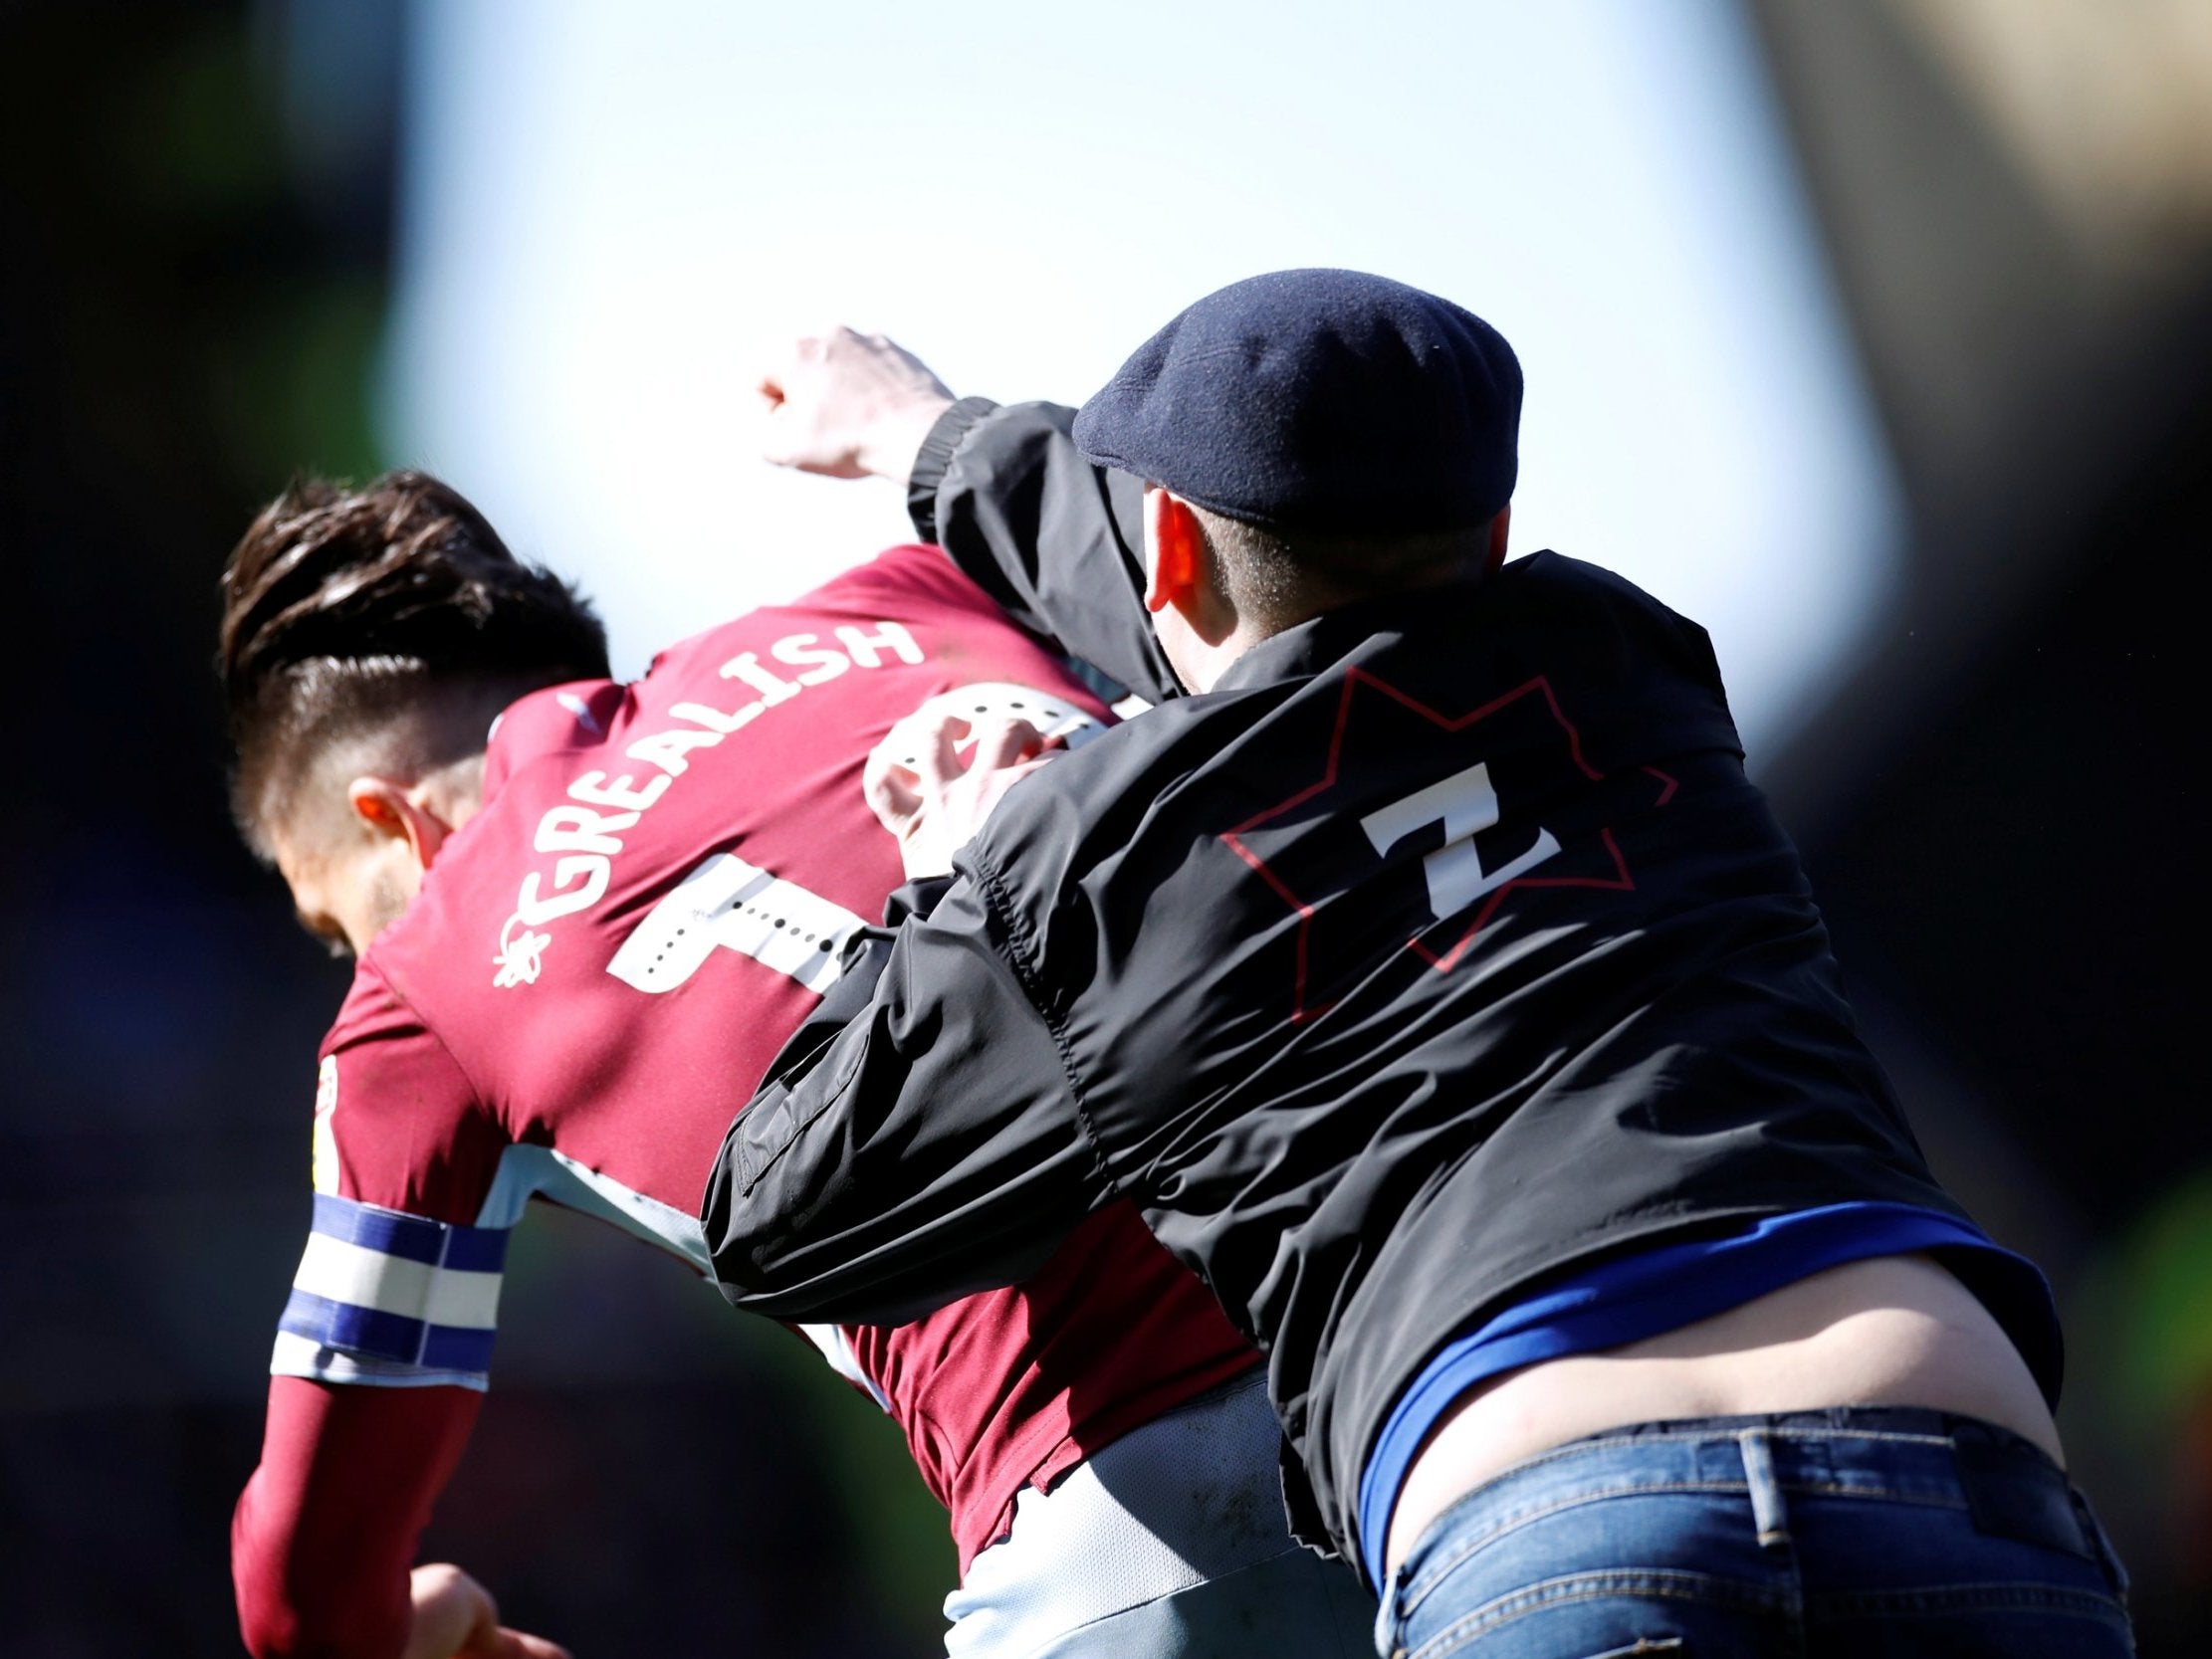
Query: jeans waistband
(1770,1494)
(1846,1425)
(1899,1454)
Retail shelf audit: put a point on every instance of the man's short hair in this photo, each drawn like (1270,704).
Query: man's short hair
(1283,576)
(344,609)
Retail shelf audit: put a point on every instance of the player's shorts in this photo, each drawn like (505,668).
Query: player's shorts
(1170,1543)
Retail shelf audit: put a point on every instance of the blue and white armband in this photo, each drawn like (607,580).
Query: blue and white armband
(391,1300)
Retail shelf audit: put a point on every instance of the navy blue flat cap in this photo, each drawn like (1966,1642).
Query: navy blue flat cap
(1326,401)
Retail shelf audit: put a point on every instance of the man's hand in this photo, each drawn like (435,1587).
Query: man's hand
(849,405)
(456,1618)
(936,806)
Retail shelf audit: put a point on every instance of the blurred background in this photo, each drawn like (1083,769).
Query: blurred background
(1876,336)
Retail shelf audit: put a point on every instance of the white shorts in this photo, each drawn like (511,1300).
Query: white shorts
(1170,1543)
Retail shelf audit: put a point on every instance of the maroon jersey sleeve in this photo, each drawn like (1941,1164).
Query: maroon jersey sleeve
(325,1530)
(399,1286)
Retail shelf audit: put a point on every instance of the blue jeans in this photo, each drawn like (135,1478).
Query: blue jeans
(1856,1532)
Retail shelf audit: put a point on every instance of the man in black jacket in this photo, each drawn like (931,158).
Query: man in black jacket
(1440,989)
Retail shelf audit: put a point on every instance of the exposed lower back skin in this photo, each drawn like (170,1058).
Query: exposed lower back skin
(1896,1330)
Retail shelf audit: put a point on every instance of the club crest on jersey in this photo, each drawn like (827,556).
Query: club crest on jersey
(522,956)
(323,1161)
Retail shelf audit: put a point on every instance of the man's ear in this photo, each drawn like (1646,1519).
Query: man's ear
(1177,544)
(1501,525)
(393,811)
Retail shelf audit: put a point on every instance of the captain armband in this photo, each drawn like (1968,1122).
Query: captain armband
(391,1300)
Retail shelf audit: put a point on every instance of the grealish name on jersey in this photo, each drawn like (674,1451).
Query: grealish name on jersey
(585,835)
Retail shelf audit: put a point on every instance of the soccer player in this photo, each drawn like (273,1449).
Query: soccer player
(585,914)
(1441,991)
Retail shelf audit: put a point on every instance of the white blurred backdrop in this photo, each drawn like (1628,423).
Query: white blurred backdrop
(609,210)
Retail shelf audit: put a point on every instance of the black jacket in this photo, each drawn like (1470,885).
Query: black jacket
(1440,948)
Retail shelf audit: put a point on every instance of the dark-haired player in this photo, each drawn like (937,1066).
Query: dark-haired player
(1440,989)
(587,913)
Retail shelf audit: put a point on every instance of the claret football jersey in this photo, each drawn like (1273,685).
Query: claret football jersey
(600,965)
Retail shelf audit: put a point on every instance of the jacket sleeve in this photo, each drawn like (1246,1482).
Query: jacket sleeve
(915,1141)
(1055,540)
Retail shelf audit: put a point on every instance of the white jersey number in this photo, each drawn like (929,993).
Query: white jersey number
(727,903)
(1466,804)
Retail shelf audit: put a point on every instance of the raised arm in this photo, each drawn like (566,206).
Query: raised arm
(1055,540)
(1051,538)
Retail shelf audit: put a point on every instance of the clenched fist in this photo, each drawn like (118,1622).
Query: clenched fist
(849,405)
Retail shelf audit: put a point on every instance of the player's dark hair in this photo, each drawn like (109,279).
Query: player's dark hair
(343,610)
(1283,578)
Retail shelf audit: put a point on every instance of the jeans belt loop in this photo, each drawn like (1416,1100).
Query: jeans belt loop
(1768,1514)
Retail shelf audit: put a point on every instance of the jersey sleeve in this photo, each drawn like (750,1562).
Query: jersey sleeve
(328,1527)
(398,1286)
(1053,538)
(916,1140)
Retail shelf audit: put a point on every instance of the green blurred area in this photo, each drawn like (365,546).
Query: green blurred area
(2159,1275)
(897,1546)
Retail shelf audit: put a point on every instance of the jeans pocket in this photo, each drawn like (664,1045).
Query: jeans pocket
(1652,1644)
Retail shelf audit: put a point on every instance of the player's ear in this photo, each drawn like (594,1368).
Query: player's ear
(1176,546)
(391,811)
